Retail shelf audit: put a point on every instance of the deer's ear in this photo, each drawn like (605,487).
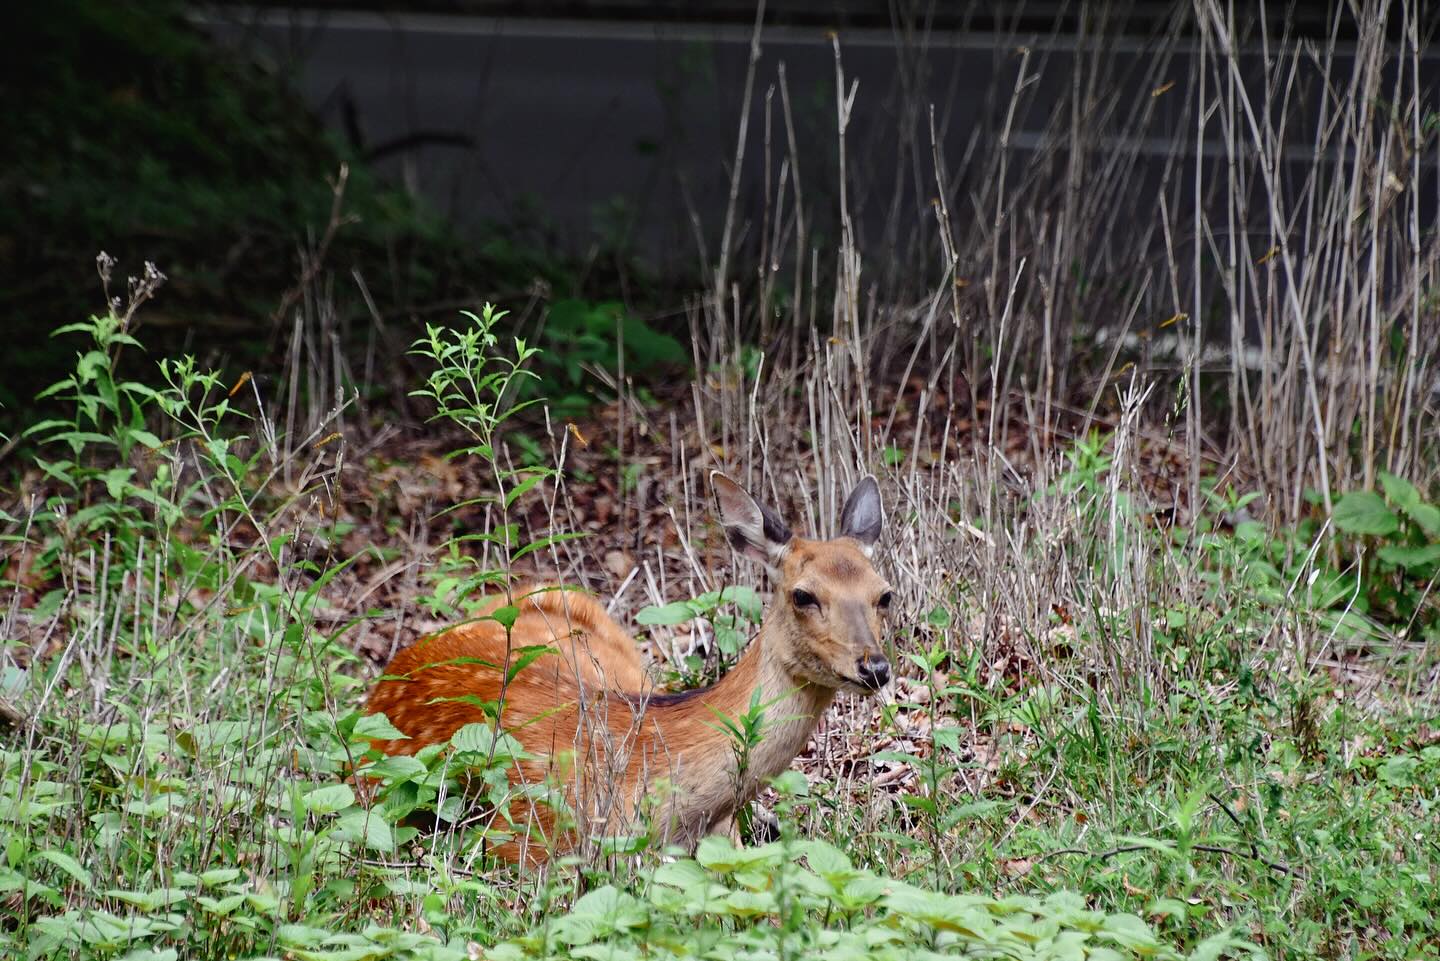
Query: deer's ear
(751,528)
(861,518)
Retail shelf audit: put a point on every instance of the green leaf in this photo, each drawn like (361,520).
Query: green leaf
(545,542)
(744,598)
(1364,512)
(1427,516)
(1130,931)
(826,859)
(1410,558)
(477,738)
(1160,847)
(365,827)
(329,799)
(527,656)
(505,616)
(149,900)
(219,876)
(221,906)
(519,489)
(67,864)
(1221,944)
(1401,492)
(398,768)
(676,612)
(377,727)
(300,935)
(684,874)
(717,854)
(152,953)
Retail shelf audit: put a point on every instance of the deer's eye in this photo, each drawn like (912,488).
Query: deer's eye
(884,602)
(805,599)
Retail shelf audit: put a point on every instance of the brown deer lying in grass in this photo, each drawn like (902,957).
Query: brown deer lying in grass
(620,752)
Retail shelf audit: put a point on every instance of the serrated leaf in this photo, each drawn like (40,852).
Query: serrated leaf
(682,874)
(716,853)
(1400,491)
(401,767)
(377,727)
(826,859)
(1409,558)
(1427,516)
(1364,512)
(477,737)
(365,827)
(329,799)
(524,657)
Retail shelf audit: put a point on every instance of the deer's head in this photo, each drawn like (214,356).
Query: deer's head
(826,618)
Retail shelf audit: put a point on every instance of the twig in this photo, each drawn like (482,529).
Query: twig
(1276,866)
(11,715)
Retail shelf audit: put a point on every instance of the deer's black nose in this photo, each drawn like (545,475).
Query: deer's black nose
(873,671)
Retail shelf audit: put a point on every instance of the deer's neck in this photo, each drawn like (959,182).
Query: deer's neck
(714,770)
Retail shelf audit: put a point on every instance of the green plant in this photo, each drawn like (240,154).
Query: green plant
(807,899)
(478,389)
(579,334)
(731,613)
(1396,545)
(1376,580)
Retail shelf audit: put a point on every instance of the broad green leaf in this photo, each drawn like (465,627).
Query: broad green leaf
(751,904)
(1401,492)
(67,864)
(1130,931)
(505,616)
(219,876)
(1364,512)
(220,906)
(717,854)
(401,767)
(152,954)
(149,900)
(676,612)
(682,874)
(377,727)
(478,737)
(1427,516)
(826,859)
(365,827)
(300,935)
(1218,945)
(1409,558)
(329,799)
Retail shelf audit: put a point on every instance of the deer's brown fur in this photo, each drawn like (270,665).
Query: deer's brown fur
(615,747)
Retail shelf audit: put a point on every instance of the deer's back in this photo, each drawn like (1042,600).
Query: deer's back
(431,688)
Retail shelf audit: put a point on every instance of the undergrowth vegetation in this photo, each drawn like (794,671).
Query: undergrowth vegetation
(182,723)
(1166,641)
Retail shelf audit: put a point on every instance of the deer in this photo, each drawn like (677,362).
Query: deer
(592,726)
